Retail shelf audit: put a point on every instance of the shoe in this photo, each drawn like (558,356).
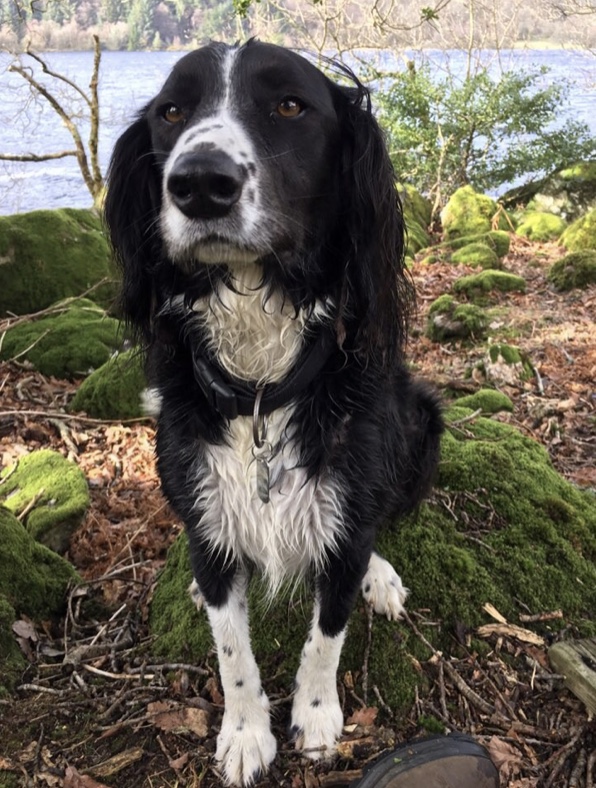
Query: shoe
(454,761)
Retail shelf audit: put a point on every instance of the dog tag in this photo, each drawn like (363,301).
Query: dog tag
(263,479)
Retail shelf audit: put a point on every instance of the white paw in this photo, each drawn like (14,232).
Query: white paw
(317,723)
(382,588)
(195,595)
(245,745)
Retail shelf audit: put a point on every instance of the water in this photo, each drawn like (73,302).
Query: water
(129,79)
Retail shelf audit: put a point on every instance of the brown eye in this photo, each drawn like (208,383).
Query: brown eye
(173,114)
(289,108)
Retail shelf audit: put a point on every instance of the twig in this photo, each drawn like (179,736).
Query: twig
(369,623)
(31,505)
(67,416)
(560,757)
(527,619)
(39,688)
(117,676)
(465,419)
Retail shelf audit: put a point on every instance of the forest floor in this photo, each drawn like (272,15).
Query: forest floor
(95,708)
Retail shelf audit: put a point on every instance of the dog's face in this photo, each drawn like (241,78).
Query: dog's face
(248,142)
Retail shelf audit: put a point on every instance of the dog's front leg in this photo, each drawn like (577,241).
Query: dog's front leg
(245,745)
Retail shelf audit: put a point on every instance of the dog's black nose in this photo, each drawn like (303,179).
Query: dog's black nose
(205,185)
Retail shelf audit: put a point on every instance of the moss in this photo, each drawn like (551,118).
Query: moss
(581,234)
(416,236)
(577,269)
(114,390)
(476,254)
(533,546)
(414,204)
(477,286)
(12,662)
(488,400)
(33,579)
(541,226)
(506,365)
(449,320)
(67,344)
(49,255)
(470,213)
(498,240)
(58,489)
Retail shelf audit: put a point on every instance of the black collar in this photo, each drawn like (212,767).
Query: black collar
(233,397)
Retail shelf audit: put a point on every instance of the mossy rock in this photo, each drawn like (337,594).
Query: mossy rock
(541,226)
(114,390)
(46,256)
(414,204)
(536,551)
(476,254)
(568,192)
(470,213)
(33,582)
(581,234)
(77,339)
(577,269)
(499,240)
(57,488)
(477,286)
(447,319)
(487,400)
(506,365)
(417,237)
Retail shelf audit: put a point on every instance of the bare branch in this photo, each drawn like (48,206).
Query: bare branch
(35,157)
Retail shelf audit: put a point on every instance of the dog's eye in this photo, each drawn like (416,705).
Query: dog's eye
(173,114)
(290,107)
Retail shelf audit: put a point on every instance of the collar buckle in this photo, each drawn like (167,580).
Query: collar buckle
(219,395)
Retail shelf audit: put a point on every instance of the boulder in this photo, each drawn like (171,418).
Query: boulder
(476,287)
(46,256)
(506,365)
(52,490)
(476,254)
(487,400)
(114,390)
(75,339)
(541,226)
(523,540)
(581,234)
(469,213)
(577,269)
(448,319)
(568,192)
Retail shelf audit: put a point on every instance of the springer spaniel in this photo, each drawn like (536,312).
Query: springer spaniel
(253,209)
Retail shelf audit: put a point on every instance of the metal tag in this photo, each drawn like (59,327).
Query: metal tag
(263,485)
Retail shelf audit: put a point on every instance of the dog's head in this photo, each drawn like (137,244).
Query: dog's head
(252,156)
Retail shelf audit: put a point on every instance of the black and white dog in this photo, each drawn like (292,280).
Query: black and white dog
(253,208)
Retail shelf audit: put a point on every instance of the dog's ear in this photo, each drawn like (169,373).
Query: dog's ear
(131,211)
(378,292)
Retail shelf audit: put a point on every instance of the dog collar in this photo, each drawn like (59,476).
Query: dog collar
(233,397)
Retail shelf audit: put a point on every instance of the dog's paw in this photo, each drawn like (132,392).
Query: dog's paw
(382,588)
(316,725)
(195,595)
(245,746)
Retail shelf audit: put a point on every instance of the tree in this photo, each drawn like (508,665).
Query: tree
(86,153)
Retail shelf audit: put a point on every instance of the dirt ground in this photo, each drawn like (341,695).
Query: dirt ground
(95,708)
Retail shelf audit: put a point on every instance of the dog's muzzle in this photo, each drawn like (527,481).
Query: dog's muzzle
(205,185)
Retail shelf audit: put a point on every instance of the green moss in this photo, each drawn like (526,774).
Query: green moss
(416,236)
(449,320)
(577,269)
(12,662)
(67,344)
(477,286)
(58,489)
(49,255)
(506,529)
(415,205)
(507,353)
(33,579)
(498,240)
(114,390)
(541,226)
(470,213)
(477,254)
(581,234)
(488,400)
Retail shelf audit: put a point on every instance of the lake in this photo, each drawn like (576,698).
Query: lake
(129,79)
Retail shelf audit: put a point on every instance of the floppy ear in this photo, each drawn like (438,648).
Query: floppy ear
(377,290)
(130,212)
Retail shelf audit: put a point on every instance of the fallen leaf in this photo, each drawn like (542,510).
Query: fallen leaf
(365,716)
(73,779)
(171,717)
(507,758)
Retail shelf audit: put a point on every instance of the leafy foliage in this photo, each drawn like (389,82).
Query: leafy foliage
(480,129)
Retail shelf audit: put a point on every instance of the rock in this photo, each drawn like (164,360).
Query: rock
(46,256)
(581,234)
(505,365)
(55,492)
(470,213)
(488,400)
(498,240)
(577,269)
(541,226)
(514,533)
(414,204)
(477,286)
(568,192)
(33,582)
(114,390)
(476,254)
(447,319)
(71,343)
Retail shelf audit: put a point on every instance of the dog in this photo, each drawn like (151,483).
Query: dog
(252,206)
